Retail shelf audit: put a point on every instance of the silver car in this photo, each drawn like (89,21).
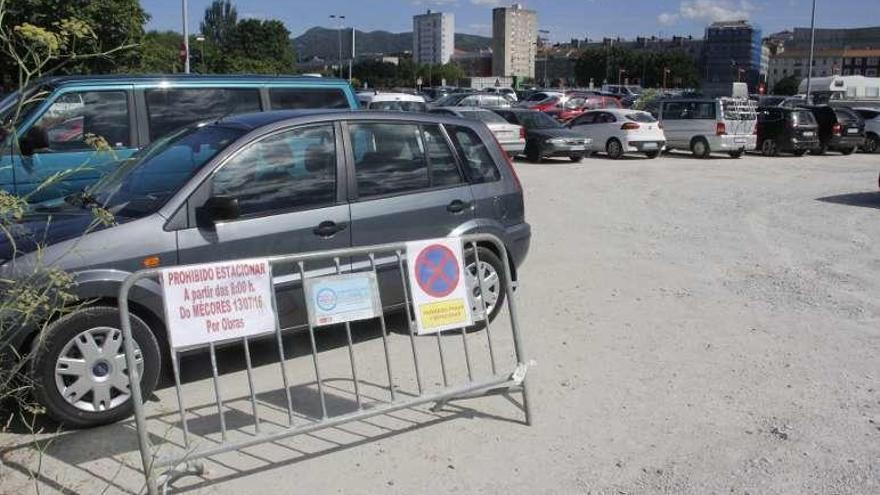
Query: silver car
(705,126)
(511,137)
(247,186)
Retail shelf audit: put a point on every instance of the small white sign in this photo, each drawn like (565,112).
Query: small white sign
(218,301)
(342,298)
(438,283)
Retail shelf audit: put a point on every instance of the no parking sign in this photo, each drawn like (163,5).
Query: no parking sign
(439,291)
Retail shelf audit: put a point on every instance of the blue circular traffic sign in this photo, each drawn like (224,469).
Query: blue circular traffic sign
(437,271)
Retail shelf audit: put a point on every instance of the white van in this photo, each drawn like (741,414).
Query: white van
(401,102)
(705,126)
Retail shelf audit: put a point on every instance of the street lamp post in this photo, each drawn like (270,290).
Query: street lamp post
(620,73)
(812,48)
(546,55)
(185,37)
(201,39)
(666,71)
(341,20)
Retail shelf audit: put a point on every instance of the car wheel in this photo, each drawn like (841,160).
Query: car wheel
(847,151)
(79,370)
(736,154)
(577,157)
(872,144)
(700,148)
(652,154)
(821,150)
(614,149)
(769,148)
(800,152)
(533,153)
(494,283)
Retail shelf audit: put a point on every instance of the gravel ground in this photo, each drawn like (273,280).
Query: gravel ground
(700,326)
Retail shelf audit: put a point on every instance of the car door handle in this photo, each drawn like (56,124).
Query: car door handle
(328,229)
(457,206)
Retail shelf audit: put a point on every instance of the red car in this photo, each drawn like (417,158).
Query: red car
(542,101)
(579,103)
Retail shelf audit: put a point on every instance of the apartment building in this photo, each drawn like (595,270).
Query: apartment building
(433,38)
(514,41)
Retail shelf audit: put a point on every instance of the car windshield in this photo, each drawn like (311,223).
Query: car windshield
(9,106)
(486,117)
(803,117)
(399,106)
(450,100)
(868,114)
(643,117)
(142,185)
(538,120)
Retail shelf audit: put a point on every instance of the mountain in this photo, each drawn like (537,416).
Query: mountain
(324,43)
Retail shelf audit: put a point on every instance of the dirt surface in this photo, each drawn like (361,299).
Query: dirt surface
(699,326)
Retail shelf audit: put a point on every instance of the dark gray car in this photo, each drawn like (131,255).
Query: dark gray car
(252,186)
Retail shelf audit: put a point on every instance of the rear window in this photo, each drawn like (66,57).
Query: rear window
(868,114)
(486,117)
(478,163)
(803,117)
(399,106)
(641,117)
(172,109)
(845,115)
(307,98)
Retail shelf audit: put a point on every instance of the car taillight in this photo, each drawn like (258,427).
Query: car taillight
(720,129)
(837,129)
(522,132)
(509,163)
(629,126)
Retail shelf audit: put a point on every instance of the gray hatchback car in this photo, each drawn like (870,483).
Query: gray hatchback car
(251,186)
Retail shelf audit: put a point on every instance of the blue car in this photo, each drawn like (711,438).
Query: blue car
(82,127)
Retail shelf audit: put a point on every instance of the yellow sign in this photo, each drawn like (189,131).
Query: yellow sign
(443,314)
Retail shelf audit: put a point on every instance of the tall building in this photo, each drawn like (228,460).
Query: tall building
(731,52)
(514,41)
(433,38)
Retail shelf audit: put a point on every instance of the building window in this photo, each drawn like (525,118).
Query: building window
(871,73)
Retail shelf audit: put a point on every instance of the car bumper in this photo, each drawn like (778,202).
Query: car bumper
(519,239)
(513,147)
(846,142)
(645,146)
(552,150)
(803,144)
(734,143)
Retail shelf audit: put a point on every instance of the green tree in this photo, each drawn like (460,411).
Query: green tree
(220,23)
(787,86)
(160,53)
(259,47)
(612,64)
(115,24)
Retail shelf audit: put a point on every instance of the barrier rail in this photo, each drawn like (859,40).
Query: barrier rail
(160,471)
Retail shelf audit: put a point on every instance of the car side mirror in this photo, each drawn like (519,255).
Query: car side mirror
(219,209)
(36,138)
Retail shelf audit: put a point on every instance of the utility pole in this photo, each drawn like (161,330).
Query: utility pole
(546,54)
(351,60)
(185,38)
(666,71)
(812,48)
(341,20)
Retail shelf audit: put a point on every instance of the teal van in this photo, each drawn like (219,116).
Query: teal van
(84,126)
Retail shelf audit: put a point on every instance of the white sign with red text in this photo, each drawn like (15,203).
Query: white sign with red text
(218,301)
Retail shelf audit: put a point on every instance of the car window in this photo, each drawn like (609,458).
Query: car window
(643,117)
(484,116)
(605,118)
(399,106)
(700,110)
(510,117)
(673,110)
(171,109)
(585,119)
(74,119)
(479,165)
(389,159)
(444,169)
(306,98)
(142,184)
(290,170)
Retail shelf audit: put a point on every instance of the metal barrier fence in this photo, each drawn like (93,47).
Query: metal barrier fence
(161,470)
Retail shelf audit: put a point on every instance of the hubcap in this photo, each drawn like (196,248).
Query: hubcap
(491,286)
(699,148)
(769,147)
(91,372)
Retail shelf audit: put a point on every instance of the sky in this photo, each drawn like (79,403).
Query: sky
(565,19)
